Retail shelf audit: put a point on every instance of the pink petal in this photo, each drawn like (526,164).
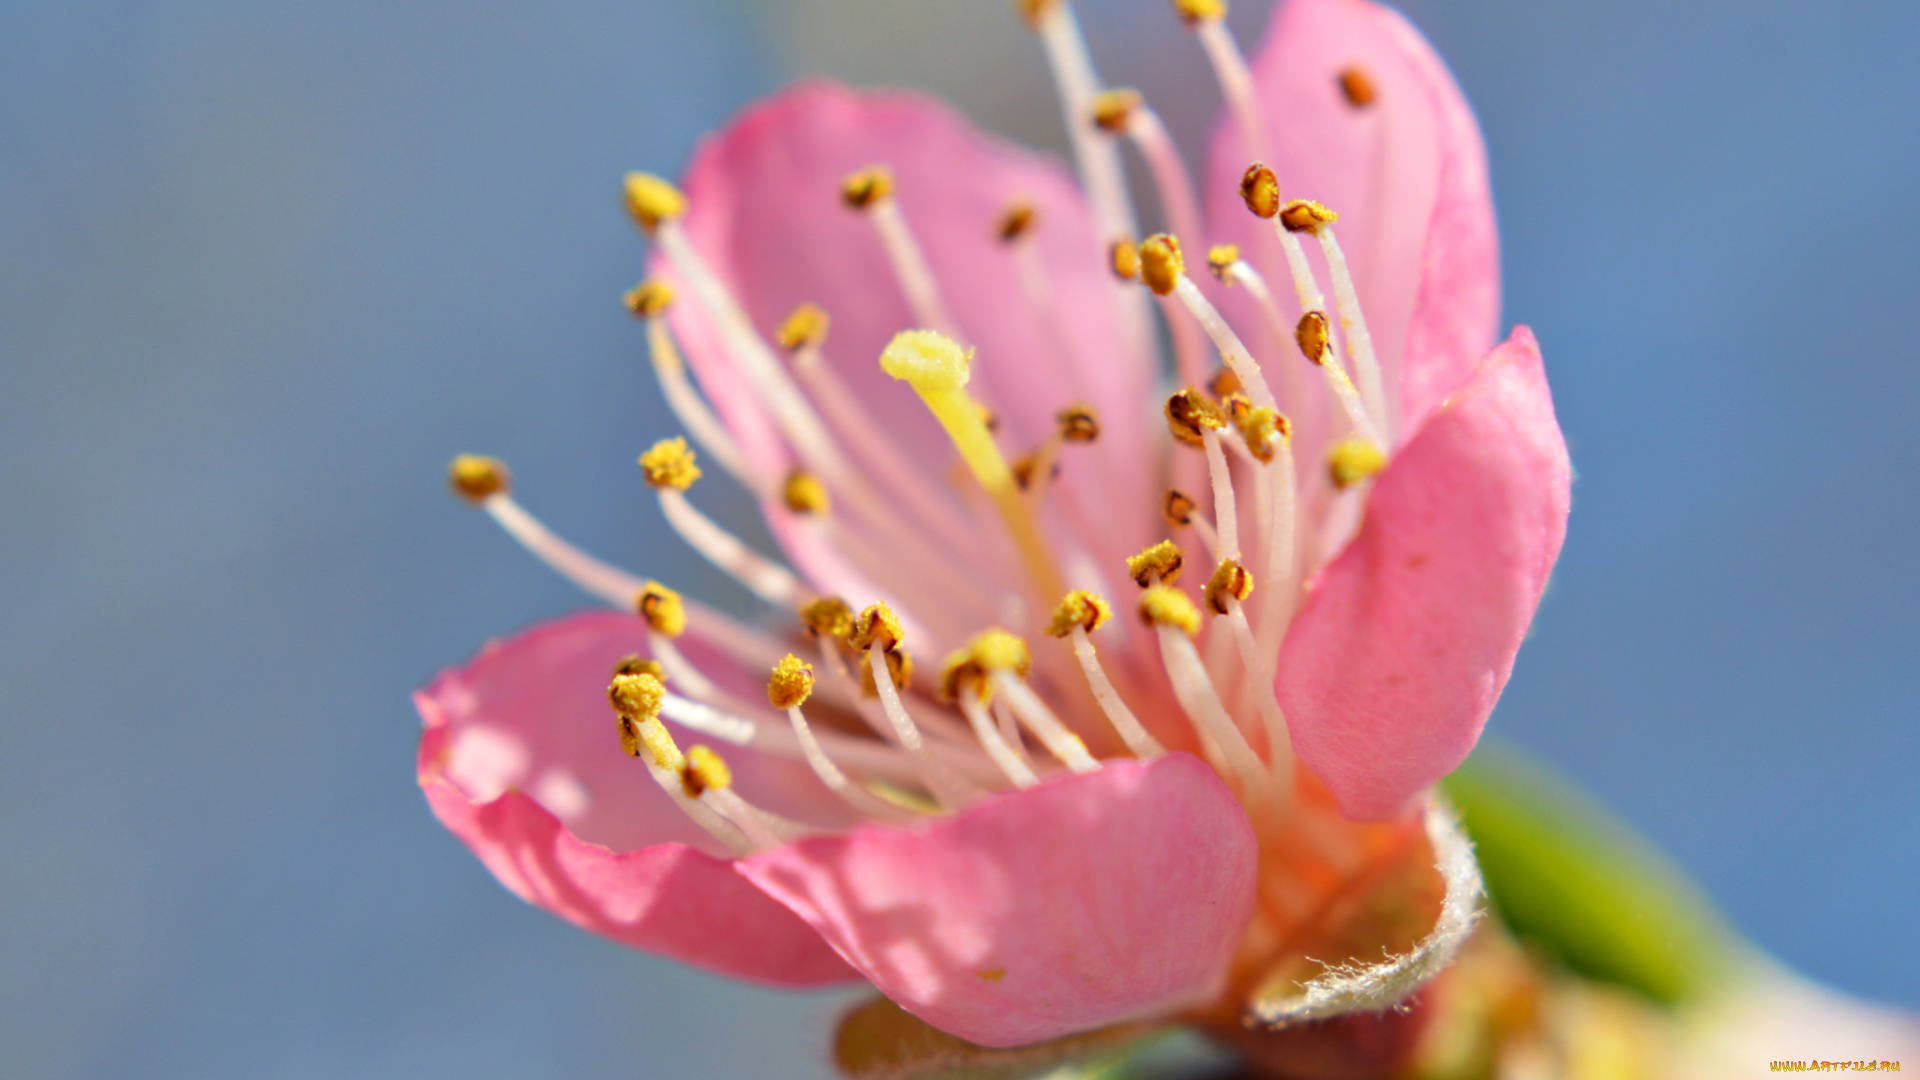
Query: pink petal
(1407,174)
(1082,902)
(1407,638)
(520,758)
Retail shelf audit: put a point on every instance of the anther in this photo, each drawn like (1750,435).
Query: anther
(1026,467)
(805,328)
(670,464)
(1225,382)
(1199,11)
(665,612)
(1079,609)
(791,683)
(828,617)
(1017,220)
(867,187)
(1265,431)
(1315,337)
(1236,406)
(875,625)
(1307,216)
(1230,579)
(998,650)
(1161,263)
(1078,423)
(987,416)
(1357,87)
(1260,188)
(1113,109)
(1351,461)
(704,771)
(475,478)
(1163,605)
(637,696)
(1220,260)
(1160,563)
(1123,256)
(899,672)
(649,298)
(959,674)
(1177,508)
(1035,11)
(652,200)
(640,665)
(1190,414)
(805,494)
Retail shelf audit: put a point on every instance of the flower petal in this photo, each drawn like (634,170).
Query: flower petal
(1407,173)
(521,759)
(1083,902)
(1407,638)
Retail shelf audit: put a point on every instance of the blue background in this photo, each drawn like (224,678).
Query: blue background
(264,268)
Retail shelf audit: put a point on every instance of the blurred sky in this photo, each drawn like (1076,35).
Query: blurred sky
(265,267)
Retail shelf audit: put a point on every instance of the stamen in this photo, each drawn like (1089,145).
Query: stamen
(1073,75)
(1354,322)
(962,682)
(649,301)
(1159,564)
(652,201)
(1079,614)
(1006,660)
(1208,18)
(805,494)
(1123,257)
(1194,419)
(1352,461)
(1357,88)
(1165,273)
(1175,619)
(669,467)
(1316,344)
(788,689)
(705,776)
(637,700)
(1230,585)
(476,478)
(1160,269)
(877,632)
(870,191)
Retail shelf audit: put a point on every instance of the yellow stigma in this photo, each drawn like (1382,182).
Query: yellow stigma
(999,650)
(1265,431)
(876,625)
(1163,561)
(866,187)
(705,771)
(649,298)
(1017,220)
(1229,579)
(807,326)
(1261,190)
(929,361)
(1307,216)
(1163,605)
(1224,382)
(652,200)
(1079,608)
(1199,11)
(1112,109)
(1161,263)
(805,494)
(899,670)
(637,696)
(640,665)
(829,617)
(1189,414)
(1315,337)
(1220,260)
(958,674)
(475,478)
(1357,88)
(1177,508)
(1350,461)
(663,609)
(791,683)
(1123,256)
(669,464)
(1078,423)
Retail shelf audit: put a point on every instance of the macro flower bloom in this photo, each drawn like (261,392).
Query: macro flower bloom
(1095,693)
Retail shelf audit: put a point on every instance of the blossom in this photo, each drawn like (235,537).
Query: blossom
(930,355)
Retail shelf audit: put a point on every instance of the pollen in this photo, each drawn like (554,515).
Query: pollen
(1315,337)
(899,669)
(475,478)
(652,200)
(1357,87)
(649,738)
(669,464)
(1265,431)
(1350,461)
(1079,608)
(1000,650)
(1123,256)
(1078,423)
(637,696)
(931,361)
(805,328)
(1177,508)
(663,609)
(1161,263)
(1163,605)
(1113,109)
(1224,382)
(1199,11)
(805,494)
(866,187)
(1017,220)
(1189,413)
(704,771)
(876,625)
(1260,188)
(640,665)
(649,298)
(1307,216)
(1220,260)
(791,683)
(1229,579)
(1163,560)
(829,617)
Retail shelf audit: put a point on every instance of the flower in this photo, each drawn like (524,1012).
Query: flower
(1215,810)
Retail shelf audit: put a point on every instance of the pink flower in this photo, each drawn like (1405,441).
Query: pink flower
(1041,838)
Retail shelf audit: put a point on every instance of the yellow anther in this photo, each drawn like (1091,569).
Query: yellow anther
(828,617)
(640,665)
(807,326)
(1357,87)
(1163,605)
(928,360)
(1078,423)
(1026,465)
(1161,263)
(1236,406)
(899,669)
(1017,220)
(1112,109)
(1350,461)
(474,478)
(649,298)
(805,494)
(1265,430)
(652,200)
(1224,382)
(1229,579)
(1307,216)
(1163,561)
(876,625)
(1189,413)
(1199,11)
(1176,508)
(1220,260)
(1035,11)
(1261,190)
(663,609)
(790,683)
(1123,256)
(959,673)
(865,187)
(1315,337)
(669,464)
(1000,650)
(704,771)
(1079,608)
(637,696)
